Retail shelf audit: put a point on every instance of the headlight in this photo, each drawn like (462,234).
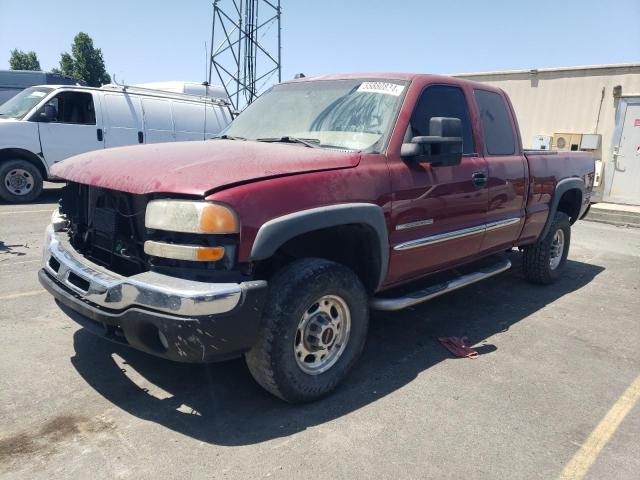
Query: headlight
(190,217)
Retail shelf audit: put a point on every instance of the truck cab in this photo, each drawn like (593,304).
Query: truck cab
(324,199)
(43,125)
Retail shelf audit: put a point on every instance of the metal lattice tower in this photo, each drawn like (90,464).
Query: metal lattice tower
(245,47)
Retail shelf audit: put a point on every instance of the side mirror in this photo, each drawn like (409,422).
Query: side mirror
(443,145)
(48,113)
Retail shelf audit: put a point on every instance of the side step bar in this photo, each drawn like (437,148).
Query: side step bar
(392,304)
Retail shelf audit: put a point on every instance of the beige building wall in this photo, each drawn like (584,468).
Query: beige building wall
(567,100)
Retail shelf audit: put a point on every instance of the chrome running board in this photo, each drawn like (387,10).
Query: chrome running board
(392,304)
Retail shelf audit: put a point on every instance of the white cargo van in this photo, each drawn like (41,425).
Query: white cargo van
(45,124)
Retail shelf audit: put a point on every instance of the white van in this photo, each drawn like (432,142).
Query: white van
(45,124)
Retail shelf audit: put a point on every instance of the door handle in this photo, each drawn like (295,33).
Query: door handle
(479,179)
(140,137)
(616,155)
(99,134)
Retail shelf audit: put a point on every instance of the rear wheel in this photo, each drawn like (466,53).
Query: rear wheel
(545,260)
(313,330)
(21,181)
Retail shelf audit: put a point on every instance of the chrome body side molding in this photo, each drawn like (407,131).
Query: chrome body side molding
(419,223)
(455,234)
(501,223)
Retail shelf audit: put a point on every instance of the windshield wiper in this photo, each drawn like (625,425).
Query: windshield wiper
(227,137)
(307,142)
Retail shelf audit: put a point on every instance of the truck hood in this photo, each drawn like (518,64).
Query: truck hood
(196,168)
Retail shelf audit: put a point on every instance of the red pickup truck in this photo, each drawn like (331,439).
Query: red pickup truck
(325,198)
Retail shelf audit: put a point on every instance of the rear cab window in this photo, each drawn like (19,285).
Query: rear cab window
(497,127)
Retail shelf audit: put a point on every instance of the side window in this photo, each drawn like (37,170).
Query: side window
(442,101)
(496,123)
(71,107)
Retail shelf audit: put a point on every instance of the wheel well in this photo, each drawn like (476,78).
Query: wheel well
(570,203)
(356,246)
(21,154)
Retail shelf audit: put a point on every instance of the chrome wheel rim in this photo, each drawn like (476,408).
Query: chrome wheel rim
(19,181)
(557,249)
(322,334)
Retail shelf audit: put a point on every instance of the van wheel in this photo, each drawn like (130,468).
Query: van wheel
(21,181)
(313,330)
(545,260)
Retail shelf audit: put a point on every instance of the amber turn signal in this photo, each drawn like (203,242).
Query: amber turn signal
(218,219)
(192,253)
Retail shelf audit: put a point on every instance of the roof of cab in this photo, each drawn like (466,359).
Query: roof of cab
(404,76)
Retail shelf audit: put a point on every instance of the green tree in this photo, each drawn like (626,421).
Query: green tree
(24,60)
(85,62)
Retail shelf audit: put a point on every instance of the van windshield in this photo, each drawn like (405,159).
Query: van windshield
(18,106)
(345,114)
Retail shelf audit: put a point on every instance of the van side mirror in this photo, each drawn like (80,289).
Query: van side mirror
(443,145)
(48,113)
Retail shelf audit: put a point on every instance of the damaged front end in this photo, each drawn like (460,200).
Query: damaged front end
(106,226)
(109,228)
(97,266)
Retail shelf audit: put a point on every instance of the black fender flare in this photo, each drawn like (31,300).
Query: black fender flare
(562,187)
(276,232)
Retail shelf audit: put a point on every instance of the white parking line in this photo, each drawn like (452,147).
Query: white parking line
(11,264)
(23,294)
(16,212)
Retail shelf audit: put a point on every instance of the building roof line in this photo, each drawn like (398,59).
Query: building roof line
(545,70)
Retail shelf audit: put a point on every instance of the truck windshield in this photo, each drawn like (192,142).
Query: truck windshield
(18,106)
(343,114)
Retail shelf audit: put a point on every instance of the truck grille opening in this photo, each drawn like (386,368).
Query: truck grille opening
(79,282)
(54,264)
(107,227)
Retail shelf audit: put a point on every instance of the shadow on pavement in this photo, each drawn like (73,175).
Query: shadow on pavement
(50,194)
(233,410)
(12,249)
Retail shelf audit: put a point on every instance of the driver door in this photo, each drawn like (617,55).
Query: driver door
(68,125)
(438,212)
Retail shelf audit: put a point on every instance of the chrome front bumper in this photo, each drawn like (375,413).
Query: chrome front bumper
(106,289)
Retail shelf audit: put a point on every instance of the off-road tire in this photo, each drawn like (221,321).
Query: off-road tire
(6,194)
(292,290)
(536,258)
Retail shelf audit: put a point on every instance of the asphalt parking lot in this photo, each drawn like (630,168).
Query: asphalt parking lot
(553,362)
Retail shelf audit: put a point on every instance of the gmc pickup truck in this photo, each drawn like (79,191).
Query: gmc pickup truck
(324,199)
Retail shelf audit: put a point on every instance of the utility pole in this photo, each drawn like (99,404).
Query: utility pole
(246,51)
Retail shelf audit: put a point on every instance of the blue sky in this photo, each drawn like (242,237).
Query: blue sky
(146,41)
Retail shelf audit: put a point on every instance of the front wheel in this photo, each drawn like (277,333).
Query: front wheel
(545,260)
(313,330)
(21,181)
